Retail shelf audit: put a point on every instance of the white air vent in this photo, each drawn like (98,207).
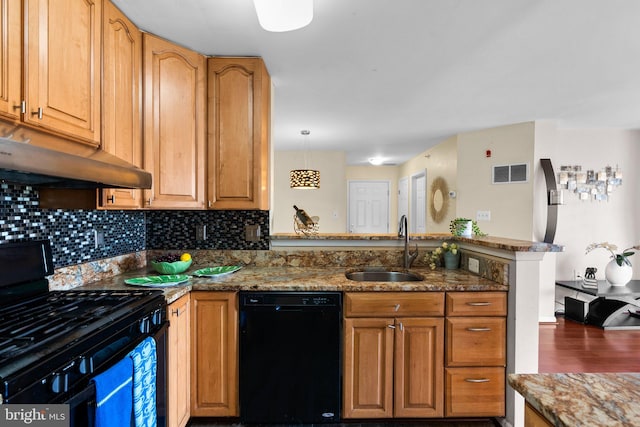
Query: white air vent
(506,174)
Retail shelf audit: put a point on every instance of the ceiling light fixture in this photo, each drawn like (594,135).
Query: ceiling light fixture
(283,15)
(304,179)
(376,161)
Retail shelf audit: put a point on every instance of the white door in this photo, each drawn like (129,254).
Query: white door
(368,207)
(403,197)
(419,203)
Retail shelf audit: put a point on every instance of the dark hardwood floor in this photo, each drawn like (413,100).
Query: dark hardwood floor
(570,346)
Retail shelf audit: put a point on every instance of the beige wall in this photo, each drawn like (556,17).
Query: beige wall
(511,205)
(328,202)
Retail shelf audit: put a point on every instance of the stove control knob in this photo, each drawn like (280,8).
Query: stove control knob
(144,325)
(157,317)
(59,382)
(85,365)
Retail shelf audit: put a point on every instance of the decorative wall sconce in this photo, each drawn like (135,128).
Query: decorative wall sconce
(590,184)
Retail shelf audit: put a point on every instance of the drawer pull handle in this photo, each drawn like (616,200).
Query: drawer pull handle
(177,312)
(479,304)
(477,380)
(478,329)
(396,307)
(391,326)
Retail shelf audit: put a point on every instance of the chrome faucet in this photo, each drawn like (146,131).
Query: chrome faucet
(403,231)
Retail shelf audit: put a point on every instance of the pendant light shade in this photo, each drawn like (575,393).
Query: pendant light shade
(307,178)
(283,15)
(304,179)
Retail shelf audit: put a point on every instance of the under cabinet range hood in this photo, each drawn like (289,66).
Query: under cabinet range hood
(25,163)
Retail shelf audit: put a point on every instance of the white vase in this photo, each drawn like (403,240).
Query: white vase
(617,275)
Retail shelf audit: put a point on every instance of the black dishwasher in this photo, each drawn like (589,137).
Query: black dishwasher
(290,357)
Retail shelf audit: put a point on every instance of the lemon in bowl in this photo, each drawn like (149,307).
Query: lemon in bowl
(172,263)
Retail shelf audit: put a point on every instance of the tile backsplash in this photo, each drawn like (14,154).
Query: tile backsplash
(72,235)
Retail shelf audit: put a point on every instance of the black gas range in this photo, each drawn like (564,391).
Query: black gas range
(52,343)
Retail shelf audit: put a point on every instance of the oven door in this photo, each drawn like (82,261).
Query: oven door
(82,404)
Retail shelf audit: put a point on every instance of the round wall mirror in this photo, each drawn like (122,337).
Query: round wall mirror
(439,202)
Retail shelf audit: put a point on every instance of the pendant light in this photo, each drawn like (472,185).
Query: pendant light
(304,179)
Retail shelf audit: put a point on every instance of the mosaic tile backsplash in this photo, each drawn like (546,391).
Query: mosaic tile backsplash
(72,235)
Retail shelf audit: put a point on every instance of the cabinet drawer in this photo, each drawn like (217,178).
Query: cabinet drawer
(476,303)
(476,341)
(474,392)
(393,304)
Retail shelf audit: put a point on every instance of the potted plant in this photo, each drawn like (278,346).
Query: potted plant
(618,271)
(465,227)
(446,254)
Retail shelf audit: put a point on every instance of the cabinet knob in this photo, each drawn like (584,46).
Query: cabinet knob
(38,113)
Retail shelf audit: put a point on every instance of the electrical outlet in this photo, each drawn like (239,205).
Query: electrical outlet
(201,233)
(98,238)
(474,265)
(252,232)
(483,216)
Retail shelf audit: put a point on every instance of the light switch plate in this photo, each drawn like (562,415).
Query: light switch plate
(483,216)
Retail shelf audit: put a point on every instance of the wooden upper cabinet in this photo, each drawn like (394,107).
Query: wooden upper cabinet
(10,58)
(121,100)
(239,101)
(174,124)
(62,67)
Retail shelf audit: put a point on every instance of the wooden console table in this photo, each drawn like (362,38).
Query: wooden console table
(612,305)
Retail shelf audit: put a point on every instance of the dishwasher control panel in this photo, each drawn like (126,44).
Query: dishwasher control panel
(291,299)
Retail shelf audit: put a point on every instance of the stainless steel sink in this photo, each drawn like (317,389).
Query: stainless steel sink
(384,276)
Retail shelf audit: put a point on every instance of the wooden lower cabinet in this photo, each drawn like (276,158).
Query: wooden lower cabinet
(214,360)
(475,354)
(178,363)
(533,418)
(393,367)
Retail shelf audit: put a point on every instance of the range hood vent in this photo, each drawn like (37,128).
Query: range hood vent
(25,163)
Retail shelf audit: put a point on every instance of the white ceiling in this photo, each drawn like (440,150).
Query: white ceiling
(392,78)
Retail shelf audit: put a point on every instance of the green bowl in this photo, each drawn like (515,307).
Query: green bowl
(175,267)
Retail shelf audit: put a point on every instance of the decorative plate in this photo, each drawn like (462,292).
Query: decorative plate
(158,281)
(216,271)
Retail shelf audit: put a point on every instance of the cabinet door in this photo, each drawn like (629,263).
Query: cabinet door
(214,374)
(10,58)
(121,100)
(239,119)
(368,368)
(174,124)
(62,79)
(178,363)
(419,385)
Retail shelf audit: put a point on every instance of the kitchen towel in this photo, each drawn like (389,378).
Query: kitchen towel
(144,383)
(114,395)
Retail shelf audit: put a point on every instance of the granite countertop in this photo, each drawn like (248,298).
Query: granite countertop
(486,241)
(582,399)
(251,278)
